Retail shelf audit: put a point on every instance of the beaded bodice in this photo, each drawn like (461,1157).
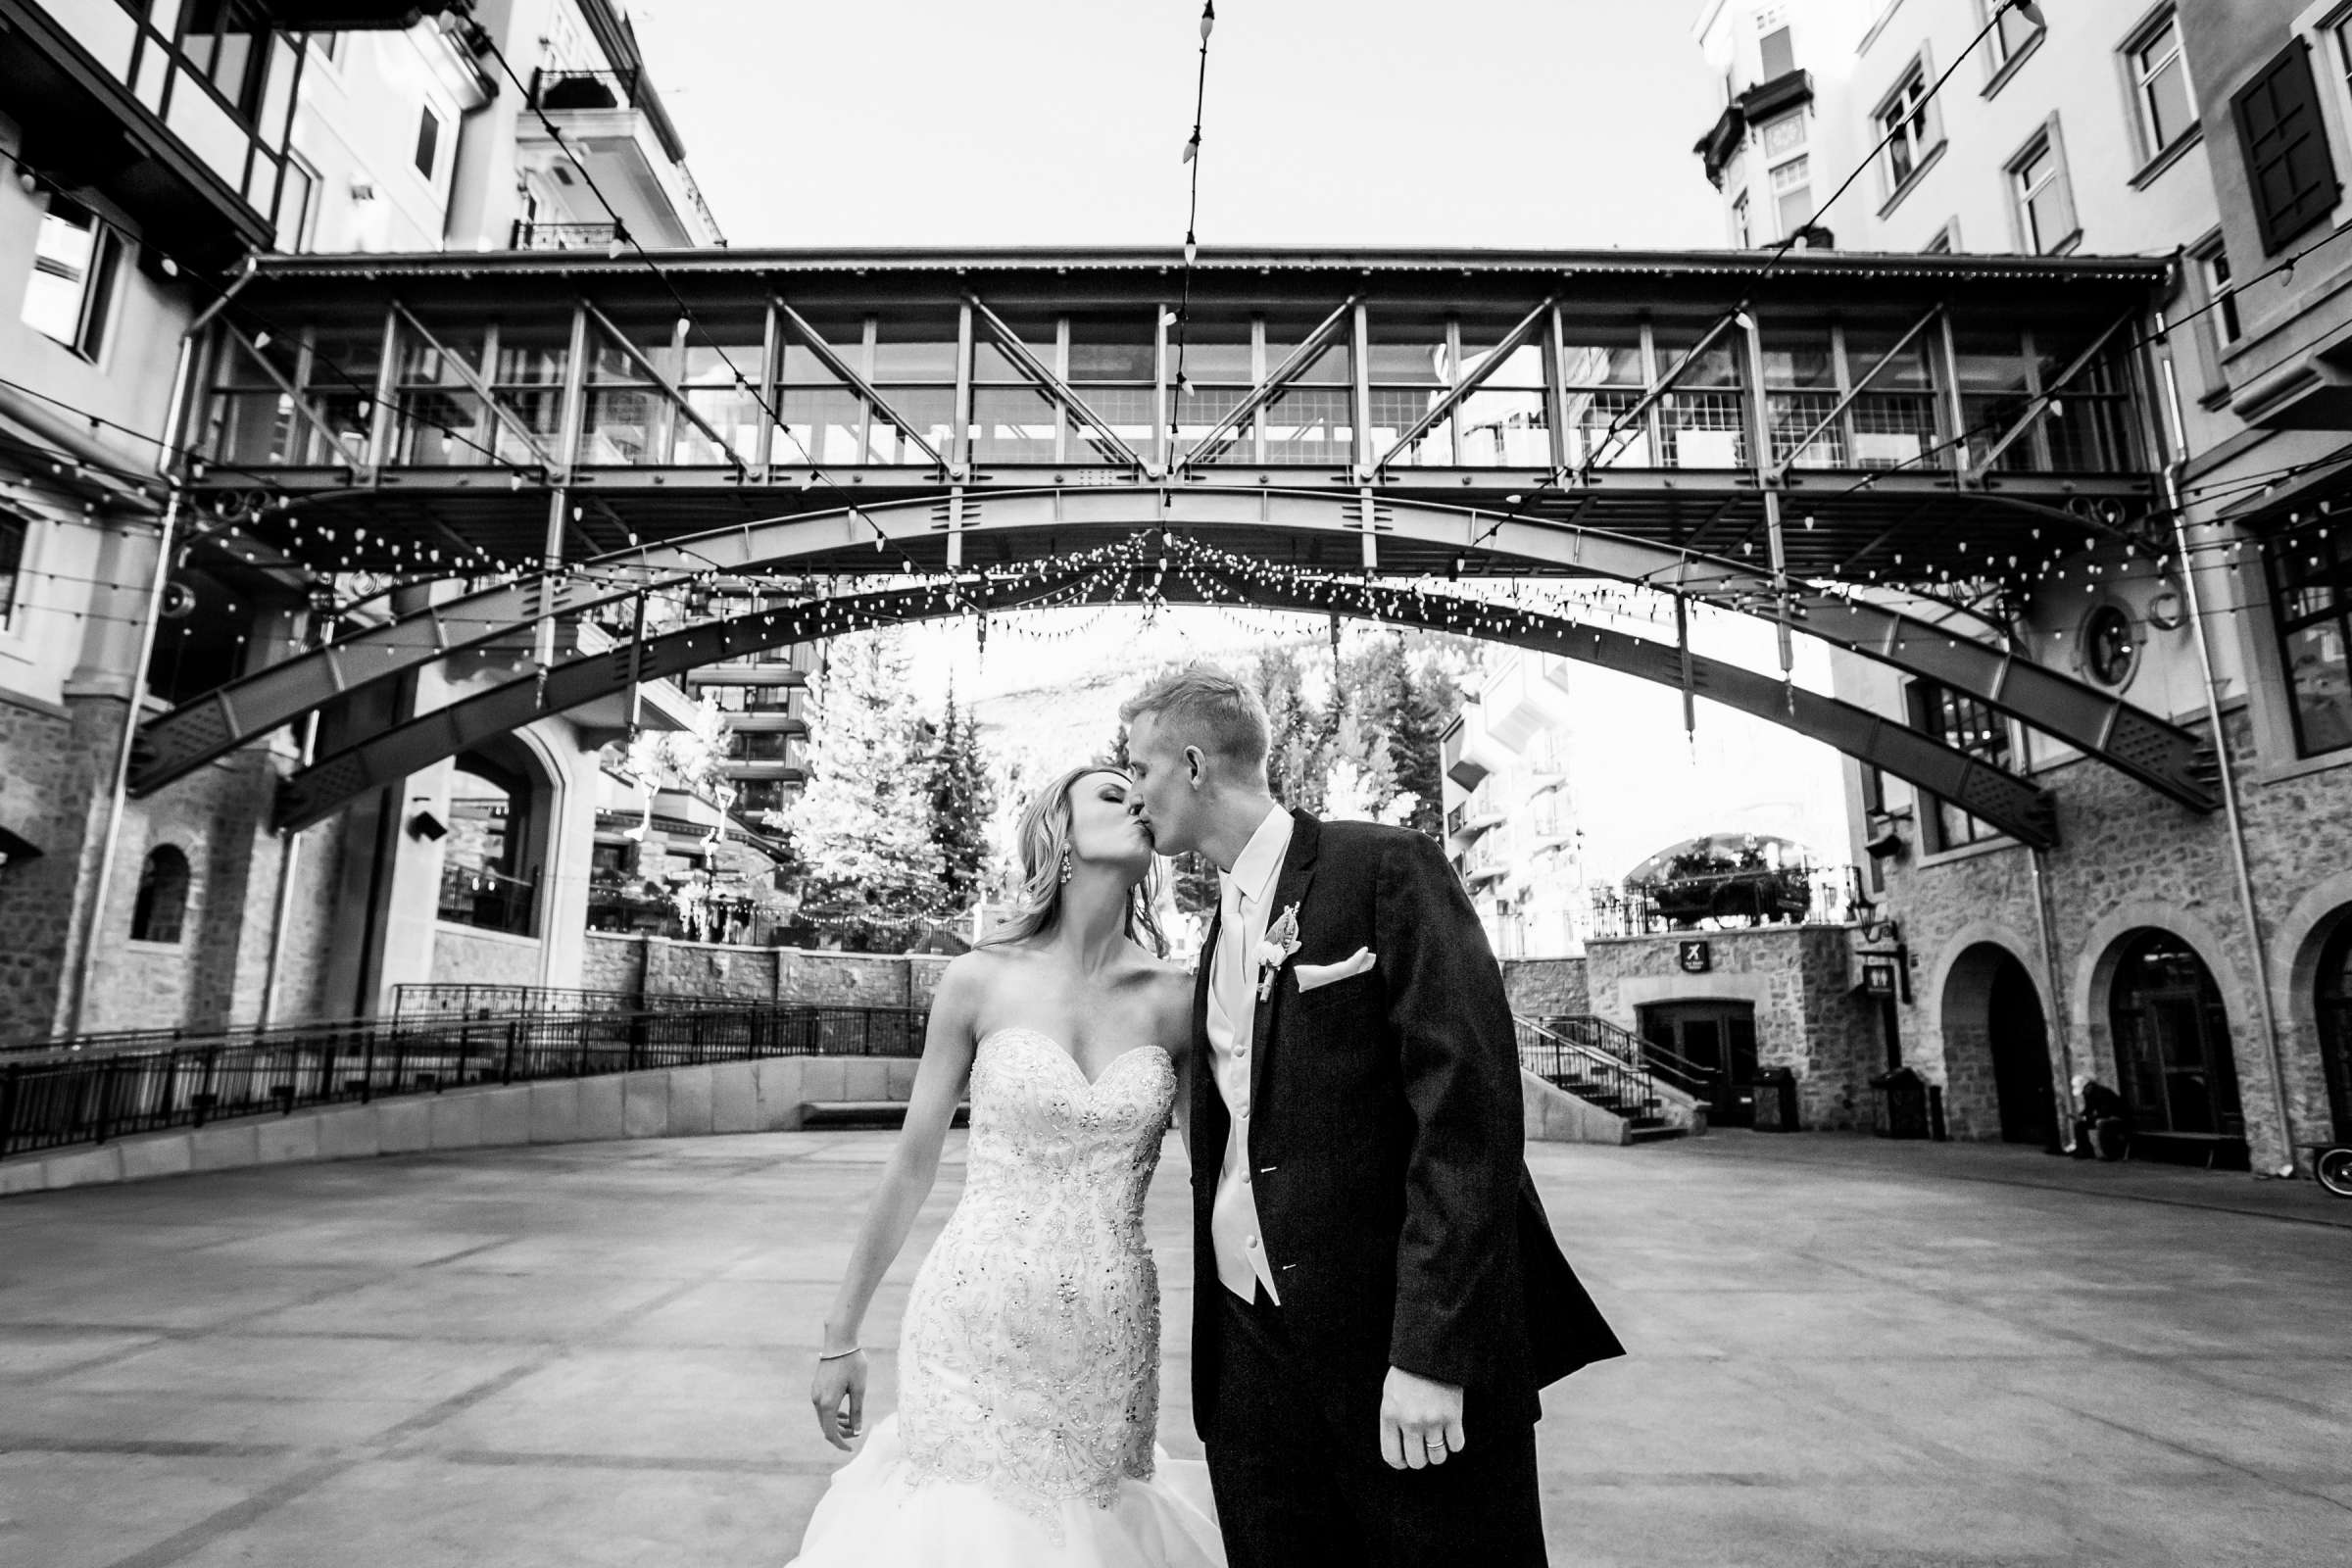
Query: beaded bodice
(1030,1358)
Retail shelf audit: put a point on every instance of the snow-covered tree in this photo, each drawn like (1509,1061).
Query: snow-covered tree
(862,823)
(962,799)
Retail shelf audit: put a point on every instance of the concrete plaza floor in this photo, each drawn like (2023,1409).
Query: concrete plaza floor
(1846,1352)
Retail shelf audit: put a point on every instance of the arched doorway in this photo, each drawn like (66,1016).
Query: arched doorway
(1998,1079)
(489,868)
(2020,1039)
(2172,1052)
(2335,1024)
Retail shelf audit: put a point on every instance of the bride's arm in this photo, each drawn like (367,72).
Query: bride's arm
(939,1084)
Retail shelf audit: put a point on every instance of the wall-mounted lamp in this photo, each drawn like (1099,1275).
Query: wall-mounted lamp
(15,849)
(426,827)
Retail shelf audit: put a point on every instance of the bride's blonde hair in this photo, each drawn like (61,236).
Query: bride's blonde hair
(1044,838)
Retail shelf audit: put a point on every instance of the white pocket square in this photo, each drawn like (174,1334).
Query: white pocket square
(1312,975)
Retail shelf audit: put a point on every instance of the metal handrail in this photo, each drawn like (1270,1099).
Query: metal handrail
(58,1099)
(1660,1062)
(1586,1071)
(441,999)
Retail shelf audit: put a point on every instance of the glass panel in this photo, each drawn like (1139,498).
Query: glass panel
(844,334)
(1201,408)
(1719,365)
(1013,425)
(436,429)
(2320,678)
(1480,335)
(423,363)
(1703,429)
(732,414)
(1309,425)
(1866,346)
(821,426)
(652,336)
(63,250)
(1115,348)
(252,428)
(1039,334)
(534,356)
(1603,354)
(914,346)
(1127,412)
(198,120)
(103,27)
(1332,366)
(1216,348)
(624,427)
(1793,414)
(540,411)
(929,410)
(1395,410)
(1892,429)
(1505,428)
(1797,354)
(1591,419)
(741,343)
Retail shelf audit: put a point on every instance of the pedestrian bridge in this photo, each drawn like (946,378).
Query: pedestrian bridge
(1882,452)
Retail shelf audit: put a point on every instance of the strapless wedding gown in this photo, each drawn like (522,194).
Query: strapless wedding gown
(1029,1360)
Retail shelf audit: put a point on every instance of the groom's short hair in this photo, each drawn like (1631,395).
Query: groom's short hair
(1209,708)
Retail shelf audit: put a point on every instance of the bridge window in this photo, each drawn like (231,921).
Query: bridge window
(1996,387)
(1893,421)
(1114,366)
(251,420)
(1313,420)
(2311,602)
(722,343)
(1013,419)
(160,907)
(1412,360)
(528,380)
(1703,423)
(1505,422)
(1967,725)
(1801,389)
(629,420)
(915,373)
(2088,426)
(823,421)
(439,420)
(1218,370)
(1606,367)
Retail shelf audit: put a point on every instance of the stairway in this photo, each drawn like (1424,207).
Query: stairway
(1602,1066)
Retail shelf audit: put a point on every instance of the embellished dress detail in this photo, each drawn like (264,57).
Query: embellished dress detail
(1029,1362)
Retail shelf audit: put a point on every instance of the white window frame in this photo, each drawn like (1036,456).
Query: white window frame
(101,286)
(2047,140)
(2163,19)
(1926,125)
(2000,65)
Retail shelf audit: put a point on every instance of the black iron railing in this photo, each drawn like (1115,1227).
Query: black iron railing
(65,1095)
(1737,897)
(454,999)
(1671,1066)
(528,236)
(1617,1085)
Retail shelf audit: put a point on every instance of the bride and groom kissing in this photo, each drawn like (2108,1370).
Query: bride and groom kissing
(1377,1295)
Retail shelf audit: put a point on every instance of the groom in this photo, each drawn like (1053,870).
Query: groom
(1377,1297)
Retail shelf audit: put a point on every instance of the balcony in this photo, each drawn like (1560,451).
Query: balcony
(614,122)
(1527,696)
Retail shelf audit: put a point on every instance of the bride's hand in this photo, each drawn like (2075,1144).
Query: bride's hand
(838,1392)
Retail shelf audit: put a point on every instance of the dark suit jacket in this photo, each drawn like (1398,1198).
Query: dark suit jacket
(1394,1201)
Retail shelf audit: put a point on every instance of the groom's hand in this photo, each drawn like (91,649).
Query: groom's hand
(1420,1420)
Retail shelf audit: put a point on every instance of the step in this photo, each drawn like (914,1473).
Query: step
(1656,1134)
(866,1113)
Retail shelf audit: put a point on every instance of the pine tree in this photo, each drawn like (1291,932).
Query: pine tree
(1298,760)
(961,800)
(864,822)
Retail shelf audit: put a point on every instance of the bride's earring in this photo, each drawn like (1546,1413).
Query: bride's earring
(1066,871)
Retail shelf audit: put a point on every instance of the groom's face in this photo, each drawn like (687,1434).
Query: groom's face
(1166,794)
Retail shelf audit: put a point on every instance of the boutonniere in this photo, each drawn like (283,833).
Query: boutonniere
(1282,940)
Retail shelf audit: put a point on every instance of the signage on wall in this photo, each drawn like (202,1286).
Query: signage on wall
(1877,976)
(1694,958)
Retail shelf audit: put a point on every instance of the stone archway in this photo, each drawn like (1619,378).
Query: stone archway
(2000,1082)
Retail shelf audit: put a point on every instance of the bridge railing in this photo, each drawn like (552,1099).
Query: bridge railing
(52,1099)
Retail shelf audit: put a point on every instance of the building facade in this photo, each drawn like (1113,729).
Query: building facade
(150,150)
(2196,961)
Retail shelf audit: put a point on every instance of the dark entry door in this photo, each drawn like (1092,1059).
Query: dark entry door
(2335,1026)
(1716,1040)
(2172,1050)
(2021,1057)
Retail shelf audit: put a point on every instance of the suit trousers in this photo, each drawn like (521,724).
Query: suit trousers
(1293,1492)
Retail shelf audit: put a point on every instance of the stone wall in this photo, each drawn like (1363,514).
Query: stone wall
(2129,860)
(1546,987)
(1799,980)
(657,966)
(465,956)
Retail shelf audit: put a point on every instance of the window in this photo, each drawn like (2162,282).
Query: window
(2311,602)
(161,906)
(2216,306)
(229,41)
(2160,90)
(2110,645)
(2285,147)
(11,568)
(428,141)
(2044,197)
(294,207)
(1793,194)
(1944,240)
(1740,231)
(1777,51)
(1906,125)
(75,260)
(2015,35)
(2216,266)
(1964,724)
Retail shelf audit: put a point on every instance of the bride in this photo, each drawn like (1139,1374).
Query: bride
(1029,1359)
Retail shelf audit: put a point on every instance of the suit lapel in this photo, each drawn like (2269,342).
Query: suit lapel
(1289,888)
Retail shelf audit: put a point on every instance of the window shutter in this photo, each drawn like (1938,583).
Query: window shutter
(2292,179)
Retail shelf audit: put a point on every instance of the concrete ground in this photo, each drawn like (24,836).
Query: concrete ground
(1846,1352)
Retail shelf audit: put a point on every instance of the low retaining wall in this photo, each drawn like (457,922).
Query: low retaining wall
(735,1096)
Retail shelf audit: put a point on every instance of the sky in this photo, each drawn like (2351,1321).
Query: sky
(1562,123)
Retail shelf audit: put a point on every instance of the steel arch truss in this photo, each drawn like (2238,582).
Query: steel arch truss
(2003,800)
(1043,524)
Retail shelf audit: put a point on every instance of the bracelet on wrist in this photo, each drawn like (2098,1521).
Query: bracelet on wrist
(854,1349)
